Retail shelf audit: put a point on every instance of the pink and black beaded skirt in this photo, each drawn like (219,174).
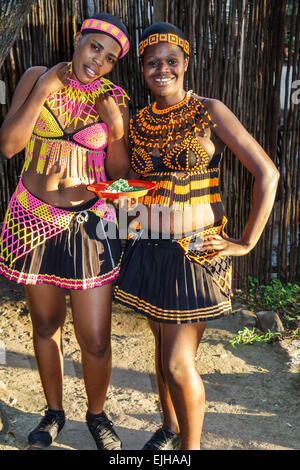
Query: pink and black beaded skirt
(72,248)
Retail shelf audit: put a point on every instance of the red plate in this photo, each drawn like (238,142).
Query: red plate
(99,189)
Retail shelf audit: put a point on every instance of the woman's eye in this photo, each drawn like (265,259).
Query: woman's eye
(95,47)
(172,61)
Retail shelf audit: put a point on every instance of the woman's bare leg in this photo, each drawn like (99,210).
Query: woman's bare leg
(48,311)
(179,345)
(92,323)
(169,415)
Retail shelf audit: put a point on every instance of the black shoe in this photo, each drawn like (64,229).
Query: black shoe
(47,430)
(163,439)
(102,431)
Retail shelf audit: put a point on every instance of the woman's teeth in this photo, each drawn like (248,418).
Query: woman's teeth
(90,71)
(162,81)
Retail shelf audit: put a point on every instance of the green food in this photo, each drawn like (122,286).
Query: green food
(122,186)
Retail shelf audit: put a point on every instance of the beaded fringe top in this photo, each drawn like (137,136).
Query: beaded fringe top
(164,142)
(78,154)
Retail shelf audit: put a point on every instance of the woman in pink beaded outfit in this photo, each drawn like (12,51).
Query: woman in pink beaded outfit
(73,124)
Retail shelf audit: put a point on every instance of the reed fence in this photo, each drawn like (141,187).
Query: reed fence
(243,52)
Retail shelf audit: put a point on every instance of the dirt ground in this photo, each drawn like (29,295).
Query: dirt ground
(252,391)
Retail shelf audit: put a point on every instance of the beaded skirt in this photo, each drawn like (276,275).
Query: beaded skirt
(65,247)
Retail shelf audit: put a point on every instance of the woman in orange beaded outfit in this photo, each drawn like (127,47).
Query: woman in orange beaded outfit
(176,270)
(73,124)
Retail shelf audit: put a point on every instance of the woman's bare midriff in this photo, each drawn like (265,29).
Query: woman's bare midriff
(168,221)
(55,188)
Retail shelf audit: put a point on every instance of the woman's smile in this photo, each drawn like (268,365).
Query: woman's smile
(161,81)
(89,72)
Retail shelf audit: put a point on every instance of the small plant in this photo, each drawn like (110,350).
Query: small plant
(249,336)
(284,299)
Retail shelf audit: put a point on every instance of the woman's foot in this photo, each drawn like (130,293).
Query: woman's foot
(102,431)
(47,430)
(163,439)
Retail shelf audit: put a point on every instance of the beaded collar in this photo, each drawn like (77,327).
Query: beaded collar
(85,88)
(76,101)
(174,107)
(169,140)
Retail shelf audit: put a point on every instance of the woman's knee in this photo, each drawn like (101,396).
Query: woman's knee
(47,309)
(46,329)
(95,346)
(178,371)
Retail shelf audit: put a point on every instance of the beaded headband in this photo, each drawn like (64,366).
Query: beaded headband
(171,38)
(109,29)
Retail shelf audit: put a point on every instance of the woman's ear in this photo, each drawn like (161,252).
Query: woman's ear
(186,63)
(77,39)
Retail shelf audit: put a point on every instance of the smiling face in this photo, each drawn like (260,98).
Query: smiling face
(95,56)
(164,66)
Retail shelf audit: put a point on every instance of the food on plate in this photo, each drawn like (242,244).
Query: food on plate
(122,186)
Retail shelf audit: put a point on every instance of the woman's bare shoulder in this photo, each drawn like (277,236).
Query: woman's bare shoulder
(209,102)
(24,87)
(33,73)
(28,80)
(217,110)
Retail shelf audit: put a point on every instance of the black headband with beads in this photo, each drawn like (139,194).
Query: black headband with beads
(163,32)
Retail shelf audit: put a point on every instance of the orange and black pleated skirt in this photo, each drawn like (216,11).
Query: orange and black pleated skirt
(159,280)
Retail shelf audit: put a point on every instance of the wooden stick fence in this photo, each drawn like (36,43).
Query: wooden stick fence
(237,56)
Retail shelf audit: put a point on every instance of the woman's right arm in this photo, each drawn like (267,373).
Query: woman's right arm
(31,93)
(26,104)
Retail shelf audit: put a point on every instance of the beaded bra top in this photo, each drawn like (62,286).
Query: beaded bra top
(79,153)
(166,141)
(92,136)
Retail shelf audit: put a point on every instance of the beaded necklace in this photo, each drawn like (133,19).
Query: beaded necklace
(76,101)
(181,103)
(163,129)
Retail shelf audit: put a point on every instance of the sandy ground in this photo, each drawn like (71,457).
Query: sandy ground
(252,392)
